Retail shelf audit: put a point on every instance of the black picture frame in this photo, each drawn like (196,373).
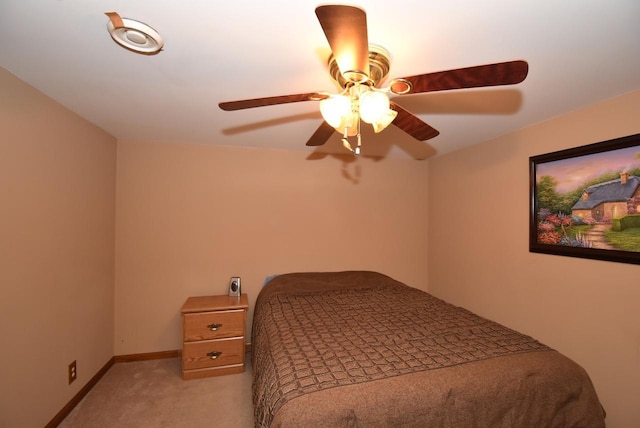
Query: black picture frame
(577,204)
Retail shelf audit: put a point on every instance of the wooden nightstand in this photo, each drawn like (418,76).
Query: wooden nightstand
(213,335)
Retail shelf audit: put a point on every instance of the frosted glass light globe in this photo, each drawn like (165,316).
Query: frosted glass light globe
(374,106)
(335,109)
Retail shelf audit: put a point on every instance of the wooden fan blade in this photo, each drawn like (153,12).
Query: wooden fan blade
(269,101)
(346,30)
(321,135)
(504,73)
(412,125)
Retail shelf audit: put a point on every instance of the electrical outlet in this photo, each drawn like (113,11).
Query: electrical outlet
(234,286)
(73,372)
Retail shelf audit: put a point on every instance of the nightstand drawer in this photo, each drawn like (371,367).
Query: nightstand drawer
(214,325)
(213,353)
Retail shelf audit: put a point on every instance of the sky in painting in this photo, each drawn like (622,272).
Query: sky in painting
(574,172)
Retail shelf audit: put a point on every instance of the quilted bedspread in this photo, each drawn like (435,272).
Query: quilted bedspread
(361,349)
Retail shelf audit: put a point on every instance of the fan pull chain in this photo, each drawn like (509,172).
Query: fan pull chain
(345,142)
(356,152)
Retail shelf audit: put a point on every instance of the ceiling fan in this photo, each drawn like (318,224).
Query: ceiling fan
(359,69)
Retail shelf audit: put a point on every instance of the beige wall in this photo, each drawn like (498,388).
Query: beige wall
(187,217)
(479,257)
(191,216)
(57,190)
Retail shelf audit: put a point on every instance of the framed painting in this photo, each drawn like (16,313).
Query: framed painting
(585,201)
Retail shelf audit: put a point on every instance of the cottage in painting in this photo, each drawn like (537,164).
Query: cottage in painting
(608,199)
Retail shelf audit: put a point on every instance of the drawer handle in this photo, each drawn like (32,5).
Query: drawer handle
(214,327)
(214,354)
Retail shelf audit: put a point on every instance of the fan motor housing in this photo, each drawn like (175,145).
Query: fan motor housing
(379,66)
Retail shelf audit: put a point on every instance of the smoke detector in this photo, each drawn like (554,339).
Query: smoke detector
(134,35)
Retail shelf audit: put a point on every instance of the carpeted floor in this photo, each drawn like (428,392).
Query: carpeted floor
(153,394)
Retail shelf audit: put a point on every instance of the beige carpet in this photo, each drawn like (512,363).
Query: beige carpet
(153,394)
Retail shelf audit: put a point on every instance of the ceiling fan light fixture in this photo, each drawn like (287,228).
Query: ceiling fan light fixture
(344,112)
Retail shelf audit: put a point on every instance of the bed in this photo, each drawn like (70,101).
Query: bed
(359,349)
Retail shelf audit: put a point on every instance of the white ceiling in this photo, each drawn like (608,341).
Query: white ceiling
(579,52)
